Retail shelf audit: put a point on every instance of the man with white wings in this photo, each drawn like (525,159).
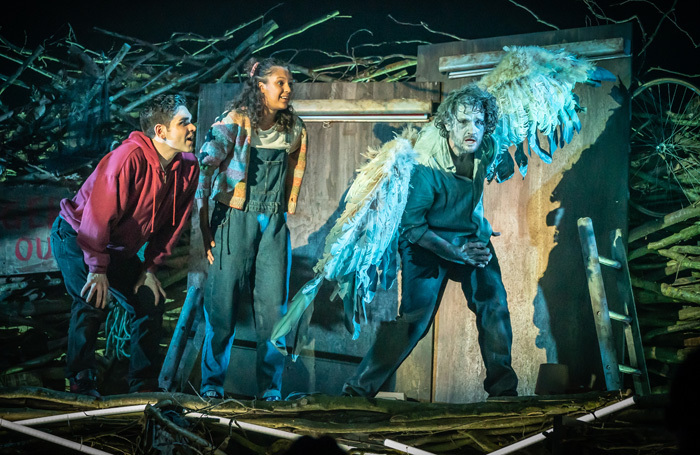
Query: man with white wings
(422,194)
(444,236)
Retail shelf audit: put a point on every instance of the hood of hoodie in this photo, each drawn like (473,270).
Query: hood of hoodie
(145,143)
(125,200)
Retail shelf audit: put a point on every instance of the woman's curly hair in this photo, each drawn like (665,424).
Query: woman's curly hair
(473,96)
(251,101)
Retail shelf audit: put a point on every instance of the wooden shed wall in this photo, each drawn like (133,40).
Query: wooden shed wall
(538,250)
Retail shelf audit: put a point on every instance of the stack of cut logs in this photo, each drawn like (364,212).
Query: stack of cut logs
(664,236)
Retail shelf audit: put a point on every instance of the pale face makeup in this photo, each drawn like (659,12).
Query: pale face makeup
(466,130)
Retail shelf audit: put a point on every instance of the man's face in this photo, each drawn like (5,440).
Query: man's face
(179,135)
(466,130)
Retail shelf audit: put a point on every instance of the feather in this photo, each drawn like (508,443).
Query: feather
(360,249)
(521,159)
(533,88)
(502,167)
(598,75)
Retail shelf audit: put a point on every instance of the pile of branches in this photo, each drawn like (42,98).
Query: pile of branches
(63,105)
(664,238)
(179,423)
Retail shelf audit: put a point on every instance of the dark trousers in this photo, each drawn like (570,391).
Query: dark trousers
(252,256)
(145,360)
(424,277)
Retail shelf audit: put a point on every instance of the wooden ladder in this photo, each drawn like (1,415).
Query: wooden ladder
(612,367)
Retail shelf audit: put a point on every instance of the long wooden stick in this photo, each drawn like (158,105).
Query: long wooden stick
(669,220)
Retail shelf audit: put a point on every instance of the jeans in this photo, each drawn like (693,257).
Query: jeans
(254,255)
(424,278)
(145,358)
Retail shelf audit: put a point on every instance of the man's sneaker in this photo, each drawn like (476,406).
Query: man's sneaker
(85,383)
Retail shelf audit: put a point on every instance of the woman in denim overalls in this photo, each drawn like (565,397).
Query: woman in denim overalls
(253,161)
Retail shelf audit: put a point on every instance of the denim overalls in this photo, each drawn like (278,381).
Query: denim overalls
(252,255)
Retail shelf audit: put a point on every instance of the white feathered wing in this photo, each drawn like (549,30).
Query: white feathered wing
(533,88)
(360,250)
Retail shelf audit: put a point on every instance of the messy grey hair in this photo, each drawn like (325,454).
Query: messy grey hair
(473,96)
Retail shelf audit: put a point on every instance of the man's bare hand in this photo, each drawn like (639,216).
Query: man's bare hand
(475,253)
(97,286)
(150,280)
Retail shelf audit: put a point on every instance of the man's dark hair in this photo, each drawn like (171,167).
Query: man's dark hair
(473,96)
(160,110)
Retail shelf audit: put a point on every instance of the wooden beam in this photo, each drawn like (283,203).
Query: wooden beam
(480,63)
(361,107)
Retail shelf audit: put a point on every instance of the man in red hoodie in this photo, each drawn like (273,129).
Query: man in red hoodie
(140,193)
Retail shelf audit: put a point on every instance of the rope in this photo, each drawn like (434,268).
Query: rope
(118,332)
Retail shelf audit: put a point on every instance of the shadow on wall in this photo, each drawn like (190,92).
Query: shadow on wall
(304,258)
(562,307)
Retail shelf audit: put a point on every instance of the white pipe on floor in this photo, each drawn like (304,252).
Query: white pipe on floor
(404,448)
(81,415)
(50,438)
(245,426)
(252,427)
(586,418)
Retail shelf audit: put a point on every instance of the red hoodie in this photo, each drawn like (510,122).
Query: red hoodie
(125,203)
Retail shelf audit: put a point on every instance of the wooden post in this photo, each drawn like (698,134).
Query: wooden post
(599,303)
(171,374)
(633,338)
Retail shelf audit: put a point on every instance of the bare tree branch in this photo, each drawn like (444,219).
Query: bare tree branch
(533,15)
(658,26)
(425,26)
(677,73)
(592,6)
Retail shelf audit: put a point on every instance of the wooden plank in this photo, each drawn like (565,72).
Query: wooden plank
(26,215)
(484,61)
(361,107)
(428,67)
(599,305)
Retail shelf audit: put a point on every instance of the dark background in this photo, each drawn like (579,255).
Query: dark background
(31,23)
